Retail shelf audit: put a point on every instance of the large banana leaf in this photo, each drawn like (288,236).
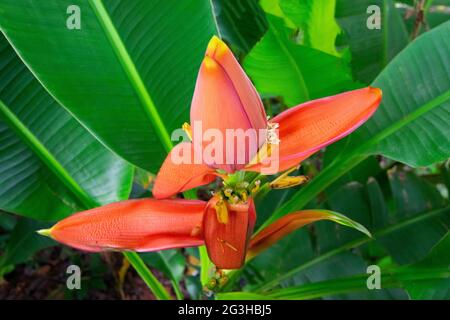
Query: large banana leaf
(437,258)
(411,125)
(411,196)
(127,74)
(50,166)
(371,49)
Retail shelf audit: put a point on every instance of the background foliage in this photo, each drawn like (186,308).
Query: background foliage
(86,117)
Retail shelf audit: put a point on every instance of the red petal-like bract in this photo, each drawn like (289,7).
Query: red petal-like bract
(173,178)
(282,227)
(306,128)
(227,243)
(224,98)
(138,225)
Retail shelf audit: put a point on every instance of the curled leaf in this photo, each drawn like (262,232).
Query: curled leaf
(293,221)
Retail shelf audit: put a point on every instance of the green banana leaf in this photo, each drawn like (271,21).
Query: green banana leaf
(51,166)
(407,231)
(22,244)
(371,49)
(127,74)
(389,279)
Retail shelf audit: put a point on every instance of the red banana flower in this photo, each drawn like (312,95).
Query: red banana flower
(224,99)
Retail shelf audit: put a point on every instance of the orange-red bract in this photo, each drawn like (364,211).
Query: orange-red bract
(139,225)
(224,98)
(227,242)
(311,126)
(173,178)
(281,228)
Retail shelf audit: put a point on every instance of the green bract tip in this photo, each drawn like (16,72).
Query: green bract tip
(45,232)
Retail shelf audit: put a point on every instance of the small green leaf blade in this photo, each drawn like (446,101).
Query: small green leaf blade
(316,21)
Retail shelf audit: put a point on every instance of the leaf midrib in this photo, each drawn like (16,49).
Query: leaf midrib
(430,105)
(391,279)
(213,14)
(131,71)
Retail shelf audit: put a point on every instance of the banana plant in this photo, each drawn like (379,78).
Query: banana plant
(96,92)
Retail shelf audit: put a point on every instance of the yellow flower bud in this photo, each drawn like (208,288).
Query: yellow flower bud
(222,211)
(288,182)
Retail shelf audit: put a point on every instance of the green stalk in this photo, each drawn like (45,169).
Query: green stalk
(150,280)
(176,288)
(205,265)
(205,262)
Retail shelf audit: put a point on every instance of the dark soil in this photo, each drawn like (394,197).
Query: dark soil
(45,278)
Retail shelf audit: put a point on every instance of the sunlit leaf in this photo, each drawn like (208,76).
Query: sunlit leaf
(315,18)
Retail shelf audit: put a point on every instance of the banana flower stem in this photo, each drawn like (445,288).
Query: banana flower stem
(144,272)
